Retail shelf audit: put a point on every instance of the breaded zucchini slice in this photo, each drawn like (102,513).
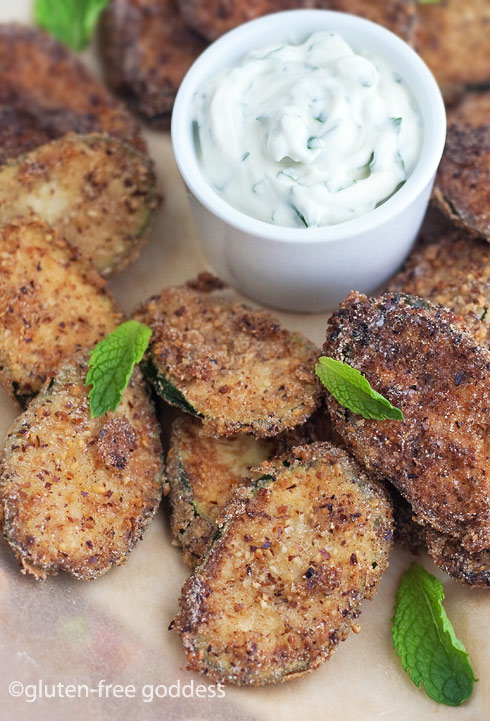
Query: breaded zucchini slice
(46,92)
(212,18)
(77,492)
(147,49)
(97,191)
(462,186)
(52,303)
(451,268)
(281,585)
(453,41)
(471,569)
(203,473)
(232,366)
(418,356)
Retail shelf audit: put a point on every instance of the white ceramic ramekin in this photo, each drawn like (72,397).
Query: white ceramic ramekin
(309,269)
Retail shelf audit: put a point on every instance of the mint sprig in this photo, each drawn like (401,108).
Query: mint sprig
(111,364)
(352,390)
(424,638)
(71,21)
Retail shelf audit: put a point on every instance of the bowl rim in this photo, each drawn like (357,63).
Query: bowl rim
(240,40)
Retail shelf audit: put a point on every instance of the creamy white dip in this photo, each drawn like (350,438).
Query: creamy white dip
(307,135)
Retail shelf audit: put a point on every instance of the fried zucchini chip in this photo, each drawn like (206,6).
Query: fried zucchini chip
(462,187)
(471,569)
(147,49)
(451,269)
(212,18)
(419,357)
(52,304)
(281,585)
(452,38)
(97,191)
(203,473)
(232,366)
(46,92)
(77,492)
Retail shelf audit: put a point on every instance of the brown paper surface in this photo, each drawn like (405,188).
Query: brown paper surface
(114,630)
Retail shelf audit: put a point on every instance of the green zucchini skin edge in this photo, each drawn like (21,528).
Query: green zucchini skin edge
(165,389)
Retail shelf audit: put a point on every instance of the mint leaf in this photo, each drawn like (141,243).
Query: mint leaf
(71,21)
(111,363)
(424,638)
(352,390)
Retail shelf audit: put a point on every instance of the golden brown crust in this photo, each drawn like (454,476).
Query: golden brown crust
(203,473)
(206,283)
(451,269)
(471,569)
(52,304)
(453,40)
(212,18)
(147,50)
(417,356)
(46,92)
(281,586)
(65,507)
(97,191)
(234,366)
(462,187)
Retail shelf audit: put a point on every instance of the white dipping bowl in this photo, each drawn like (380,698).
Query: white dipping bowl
(309,269)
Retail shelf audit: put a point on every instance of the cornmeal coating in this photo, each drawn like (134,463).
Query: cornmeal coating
(451,268)
(419,357)
(212,18)
(76,492)
(296,553)
(462,187)
(46,92)
(147,49)
(453,40)
(97,191)
(234,367)
(53,303)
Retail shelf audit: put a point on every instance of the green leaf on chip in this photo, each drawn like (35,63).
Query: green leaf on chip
(111,364)
(352,390)
(71,21)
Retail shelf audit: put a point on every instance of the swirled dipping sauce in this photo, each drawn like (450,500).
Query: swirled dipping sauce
(307,135)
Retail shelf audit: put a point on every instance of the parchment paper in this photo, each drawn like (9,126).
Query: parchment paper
(114,630)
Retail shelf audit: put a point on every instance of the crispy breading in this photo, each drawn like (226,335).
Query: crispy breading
(147,49)
(471,569)
(20,132)
(452,38)
(418,357)
(281,586)
(46,92)
(77,492)
(212,18)
(203,473)
(52,303)
(451,269)
(232,366)
(462,187)
(97,191)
